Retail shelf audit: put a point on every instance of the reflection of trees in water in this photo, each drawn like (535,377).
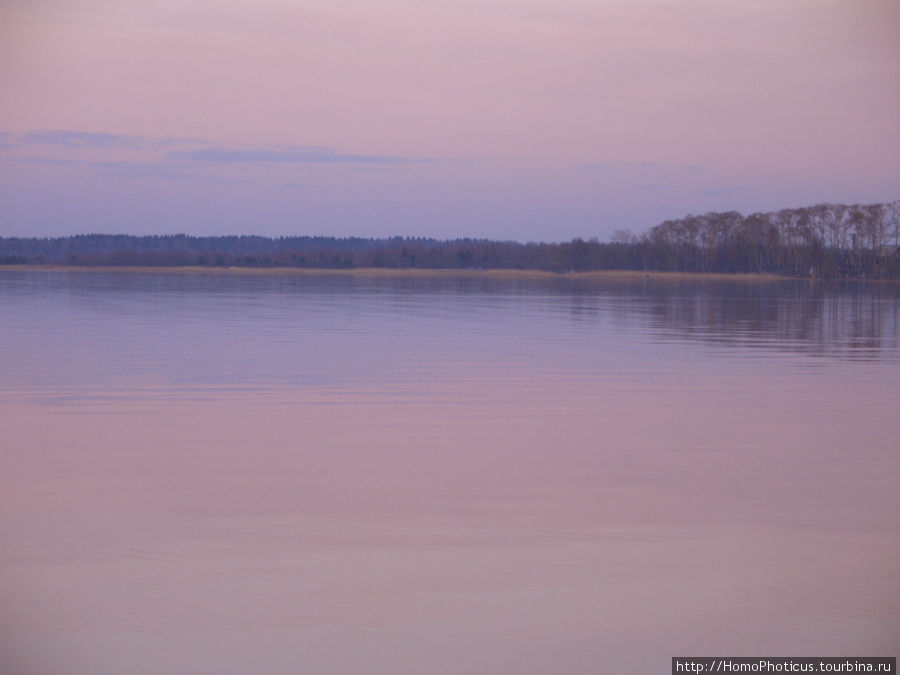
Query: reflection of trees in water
(856,321)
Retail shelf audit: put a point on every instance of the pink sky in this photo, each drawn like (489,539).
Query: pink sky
(525,119)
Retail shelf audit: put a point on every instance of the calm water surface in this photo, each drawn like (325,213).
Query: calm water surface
(232,473)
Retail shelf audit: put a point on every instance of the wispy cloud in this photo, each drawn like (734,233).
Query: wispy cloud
(611,166)
(48,161)
(140,170)
(196,151)
(727,191)
(124,156)
(67,138)
(113,169)
(608,166)
(80,139)
(292,155)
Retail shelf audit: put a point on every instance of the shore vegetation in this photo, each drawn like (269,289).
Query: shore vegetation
(827,241)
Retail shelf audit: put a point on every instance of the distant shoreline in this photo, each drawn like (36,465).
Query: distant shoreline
(420,272)
(826,241)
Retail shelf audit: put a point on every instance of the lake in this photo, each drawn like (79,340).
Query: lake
(224,472)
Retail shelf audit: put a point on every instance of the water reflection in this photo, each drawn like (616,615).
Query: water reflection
(842,321)
(372,474)
(833,319)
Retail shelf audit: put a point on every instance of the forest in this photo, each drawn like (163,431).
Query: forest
(826,240)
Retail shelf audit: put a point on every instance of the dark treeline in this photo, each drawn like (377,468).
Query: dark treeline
(825,240)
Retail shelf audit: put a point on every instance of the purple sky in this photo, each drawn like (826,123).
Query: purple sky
(511,119)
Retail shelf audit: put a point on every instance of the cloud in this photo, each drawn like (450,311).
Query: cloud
(116,169)
(727,191)
(609,166)
(48,161)
(109,168)
(80,139)
(158,170)
(139,170)
(311,155)
(195,150)
(124,156)
(67,138)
